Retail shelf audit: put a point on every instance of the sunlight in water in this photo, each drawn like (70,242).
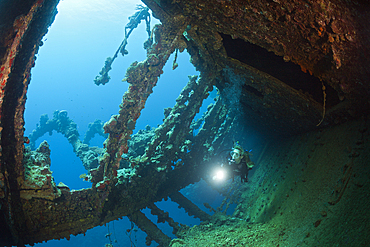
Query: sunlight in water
(105,10)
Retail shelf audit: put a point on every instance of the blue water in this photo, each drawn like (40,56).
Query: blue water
(83,35)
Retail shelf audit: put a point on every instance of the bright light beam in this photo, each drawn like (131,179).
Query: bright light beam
(220,175)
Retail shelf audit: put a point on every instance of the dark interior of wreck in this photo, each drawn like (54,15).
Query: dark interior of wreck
(298,72)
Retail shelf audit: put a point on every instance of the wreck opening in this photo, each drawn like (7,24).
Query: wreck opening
(189,103)
(62,80)
(169,86)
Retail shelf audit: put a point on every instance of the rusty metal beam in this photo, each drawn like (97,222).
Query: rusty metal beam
(154,233)
(189,207)
(25,23)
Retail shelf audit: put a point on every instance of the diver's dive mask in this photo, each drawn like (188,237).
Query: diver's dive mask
(235,155)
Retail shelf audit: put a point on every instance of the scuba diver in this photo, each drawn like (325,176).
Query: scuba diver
(239,163)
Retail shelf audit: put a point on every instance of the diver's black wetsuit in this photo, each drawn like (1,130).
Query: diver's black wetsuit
(239,169)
